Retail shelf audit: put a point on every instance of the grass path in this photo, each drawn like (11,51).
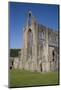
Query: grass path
(19,78)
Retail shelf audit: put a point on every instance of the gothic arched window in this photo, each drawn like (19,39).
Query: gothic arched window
(30,42)
(30,18)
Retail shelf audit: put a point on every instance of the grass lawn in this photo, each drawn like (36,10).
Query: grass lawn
(18,78)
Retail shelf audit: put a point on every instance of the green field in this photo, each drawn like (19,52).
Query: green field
(19,78)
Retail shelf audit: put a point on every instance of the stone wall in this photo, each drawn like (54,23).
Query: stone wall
(14,62)
(40,51)
(42,39)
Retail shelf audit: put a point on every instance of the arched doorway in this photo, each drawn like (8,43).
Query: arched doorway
(41,67)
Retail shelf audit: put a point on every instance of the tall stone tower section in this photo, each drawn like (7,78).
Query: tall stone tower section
(30,43)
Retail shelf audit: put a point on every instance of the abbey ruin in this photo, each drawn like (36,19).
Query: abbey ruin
(40,49)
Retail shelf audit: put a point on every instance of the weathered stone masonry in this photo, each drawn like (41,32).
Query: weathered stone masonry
(40,51)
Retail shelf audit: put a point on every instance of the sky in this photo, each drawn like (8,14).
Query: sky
(18,12)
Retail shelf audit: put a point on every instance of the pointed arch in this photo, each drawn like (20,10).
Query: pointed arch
(30,42)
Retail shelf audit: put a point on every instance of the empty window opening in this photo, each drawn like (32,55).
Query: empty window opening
(53,54)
